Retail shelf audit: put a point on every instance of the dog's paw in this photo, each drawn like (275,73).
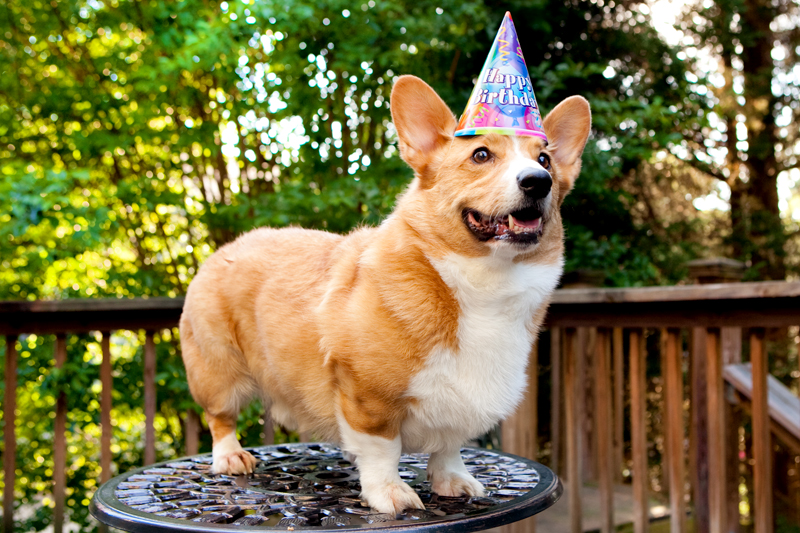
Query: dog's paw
(234,463)
(392,498)
(455,484)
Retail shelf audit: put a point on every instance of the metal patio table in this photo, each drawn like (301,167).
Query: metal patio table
(311,487)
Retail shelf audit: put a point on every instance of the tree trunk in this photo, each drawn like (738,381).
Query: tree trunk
(766,234)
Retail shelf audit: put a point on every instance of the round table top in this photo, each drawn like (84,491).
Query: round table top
(312,487)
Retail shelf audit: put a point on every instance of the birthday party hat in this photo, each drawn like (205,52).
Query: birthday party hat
(502,100)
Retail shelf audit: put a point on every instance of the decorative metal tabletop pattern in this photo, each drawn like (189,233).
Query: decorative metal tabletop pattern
(312,487)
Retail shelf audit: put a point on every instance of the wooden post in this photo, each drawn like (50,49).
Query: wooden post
(731,347)
(555,399)
(572,411)
(192,433)
(699,431)
(519,432)
(716,434)
(587,337)
(762,439)
(60,442)
(603,433)
(638,377)
(674,407)
(9,433)
(665,468)
(149,399)
(105,408)
(619,405)
(267,429)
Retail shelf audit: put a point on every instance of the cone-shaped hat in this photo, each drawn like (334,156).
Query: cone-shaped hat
(502,100)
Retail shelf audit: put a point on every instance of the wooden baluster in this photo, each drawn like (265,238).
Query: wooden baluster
(603,429)
(60,442)
(731,347)
(587,337)
(716,433)
(268,428)
(638,380)
(9,433)
(105,408)
(555,399)
(192,433)
(519,432)
(674,407)
(699,431)
(665,468)
(619,406)
(572,412)
(149,399)
(762,440)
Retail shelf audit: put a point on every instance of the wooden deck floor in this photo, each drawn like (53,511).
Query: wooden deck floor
(557,520)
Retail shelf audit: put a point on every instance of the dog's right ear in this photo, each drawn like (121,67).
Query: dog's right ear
(424,122)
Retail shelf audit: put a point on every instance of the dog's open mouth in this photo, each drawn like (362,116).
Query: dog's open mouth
(522,226)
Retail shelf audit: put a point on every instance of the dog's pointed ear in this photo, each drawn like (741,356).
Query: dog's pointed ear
(424,122)
(567,128)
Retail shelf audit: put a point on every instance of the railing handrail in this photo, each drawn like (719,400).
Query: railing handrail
(90,304)
(680,293)
(759,303)
(88,314)
(752,304)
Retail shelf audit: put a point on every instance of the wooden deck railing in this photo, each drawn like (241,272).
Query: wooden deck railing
(69,317)
(591,331)
(592,328)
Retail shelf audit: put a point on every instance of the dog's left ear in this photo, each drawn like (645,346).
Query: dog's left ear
(567,128)
(424,122)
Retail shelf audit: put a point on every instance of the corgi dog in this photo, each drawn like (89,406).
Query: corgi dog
(413,336)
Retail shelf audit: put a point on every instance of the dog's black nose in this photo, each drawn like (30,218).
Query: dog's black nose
(535,182)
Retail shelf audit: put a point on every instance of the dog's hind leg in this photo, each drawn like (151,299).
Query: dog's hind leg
(220,384)
(229,456)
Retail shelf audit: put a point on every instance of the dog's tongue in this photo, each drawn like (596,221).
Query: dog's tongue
(528,224)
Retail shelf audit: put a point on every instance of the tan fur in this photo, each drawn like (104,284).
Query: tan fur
(314,322)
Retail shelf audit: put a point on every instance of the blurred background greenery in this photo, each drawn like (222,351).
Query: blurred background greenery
(136,137)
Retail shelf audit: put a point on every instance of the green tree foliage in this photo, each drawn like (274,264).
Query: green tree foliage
(136,137)
(751,81)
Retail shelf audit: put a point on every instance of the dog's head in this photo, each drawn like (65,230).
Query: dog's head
(487,194)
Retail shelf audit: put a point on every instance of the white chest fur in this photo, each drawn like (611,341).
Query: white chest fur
(462,394)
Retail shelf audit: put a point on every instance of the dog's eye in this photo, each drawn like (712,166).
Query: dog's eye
(481,155)
(544,160)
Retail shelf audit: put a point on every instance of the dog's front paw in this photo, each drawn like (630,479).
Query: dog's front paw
(234,463)
(391,498)
(455,484)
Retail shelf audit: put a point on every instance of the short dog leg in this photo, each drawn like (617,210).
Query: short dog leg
(377,459)
(229,456)
(449,476)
